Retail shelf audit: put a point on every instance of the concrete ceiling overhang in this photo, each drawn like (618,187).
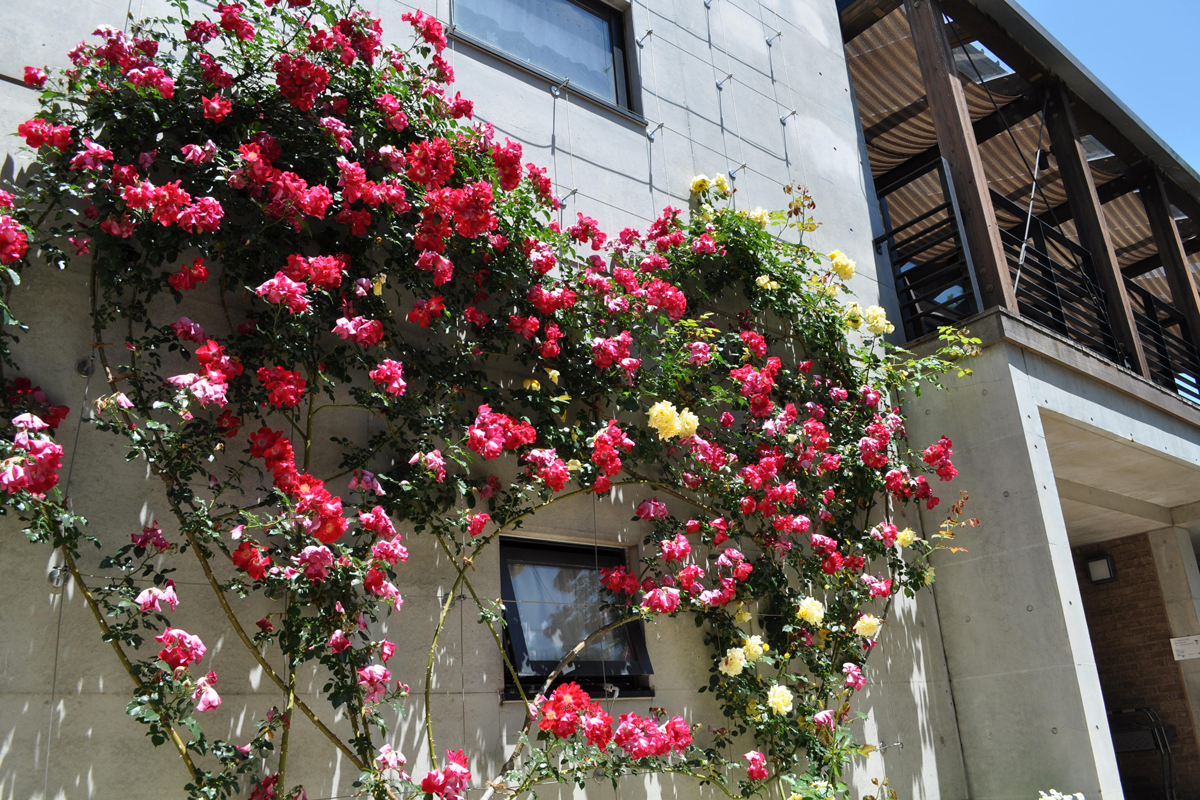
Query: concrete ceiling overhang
(1111,488)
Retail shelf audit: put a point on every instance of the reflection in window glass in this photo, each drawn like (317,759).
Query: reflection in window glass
(557,35)
(559,607)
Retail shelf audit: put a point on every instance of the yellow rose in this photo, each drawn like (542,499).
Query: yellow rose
(853,313)
(842,265)
(867,626)
(741,614)
(688,423)
(906,537)
(734,662)
(664,419)
(554,375)
(531,384)
(877,321)
(779,698)
(700,184)
(721,184)
(754,648)
(760,216)
(764,282)
(811,610)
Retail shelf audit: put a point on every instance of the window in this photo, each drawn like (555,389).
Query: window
(552,602)
(582,40)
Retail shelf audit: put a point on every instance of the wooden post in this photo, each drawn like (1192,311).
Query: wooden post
(1090,224)
(1170,250)
(956,140)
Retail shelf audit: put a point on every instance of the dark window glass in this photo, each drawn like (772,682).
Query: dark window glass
(552,602)
(582,41)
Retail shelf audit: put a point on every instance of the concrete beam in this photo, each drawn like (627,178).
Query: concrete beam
(1101,498)
(1187,515)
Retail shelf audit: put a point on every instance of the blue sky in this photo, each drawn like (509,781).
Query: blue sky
(1146,52)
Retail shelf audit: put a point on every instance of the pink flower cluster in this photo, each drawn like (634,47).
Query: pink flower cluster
(180,648)
(35,467)
(493,433)
(452,780)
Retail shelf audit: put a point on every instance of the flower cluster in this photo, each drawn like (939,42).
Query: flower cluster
(352,248)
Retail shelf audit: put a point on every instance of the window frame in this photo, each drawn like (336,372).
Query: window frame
(619,31)
(567,555)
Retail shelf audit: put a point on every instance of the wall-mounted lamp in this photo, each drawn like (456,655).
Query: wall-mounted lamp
(1101,569)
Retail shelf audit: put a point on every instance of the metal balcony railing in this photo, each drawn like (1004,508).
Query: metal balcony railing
(930,268)
(1055,283)
(1172,357)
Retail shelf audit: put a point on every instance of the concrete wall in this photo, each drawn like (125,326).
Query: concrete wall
(1023,674)
(1024,682)
(62,730)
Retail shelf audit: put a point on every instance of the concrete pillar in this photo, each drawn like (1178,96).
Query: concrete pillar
(1023,677)
(1179,577)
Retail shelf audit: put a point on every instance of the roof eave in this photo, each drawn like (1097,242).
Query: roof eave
(1041,44)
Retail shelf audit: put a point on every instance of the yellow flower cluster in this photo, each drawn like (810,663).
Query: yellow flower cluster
(906,537)
(734,662)
(754,647)
(811,610)
(671,423)
(779,698)
(854,315)
(867,626)
(759,215)
(765,282)
(702,183)
(842,265)
(877,321)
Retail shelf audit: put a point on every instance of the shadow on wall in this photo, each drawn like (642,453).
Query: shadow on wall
(909,710)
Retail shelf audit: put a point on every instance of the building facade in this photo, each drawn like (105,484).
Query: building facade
(979,176)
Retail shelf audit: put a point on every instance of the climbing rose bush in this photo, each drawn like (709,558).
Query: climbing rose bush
(279,215)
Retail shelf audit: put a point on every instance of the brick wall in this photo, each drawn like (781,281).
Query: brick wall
(1131,637)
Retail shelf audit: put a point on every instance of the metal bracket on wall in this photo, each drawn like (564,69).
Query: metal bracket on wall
(733,172)
(883,747)
(556,90)
(645,36)
(771,39)
(721,83)
(650,133)
(783,120)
